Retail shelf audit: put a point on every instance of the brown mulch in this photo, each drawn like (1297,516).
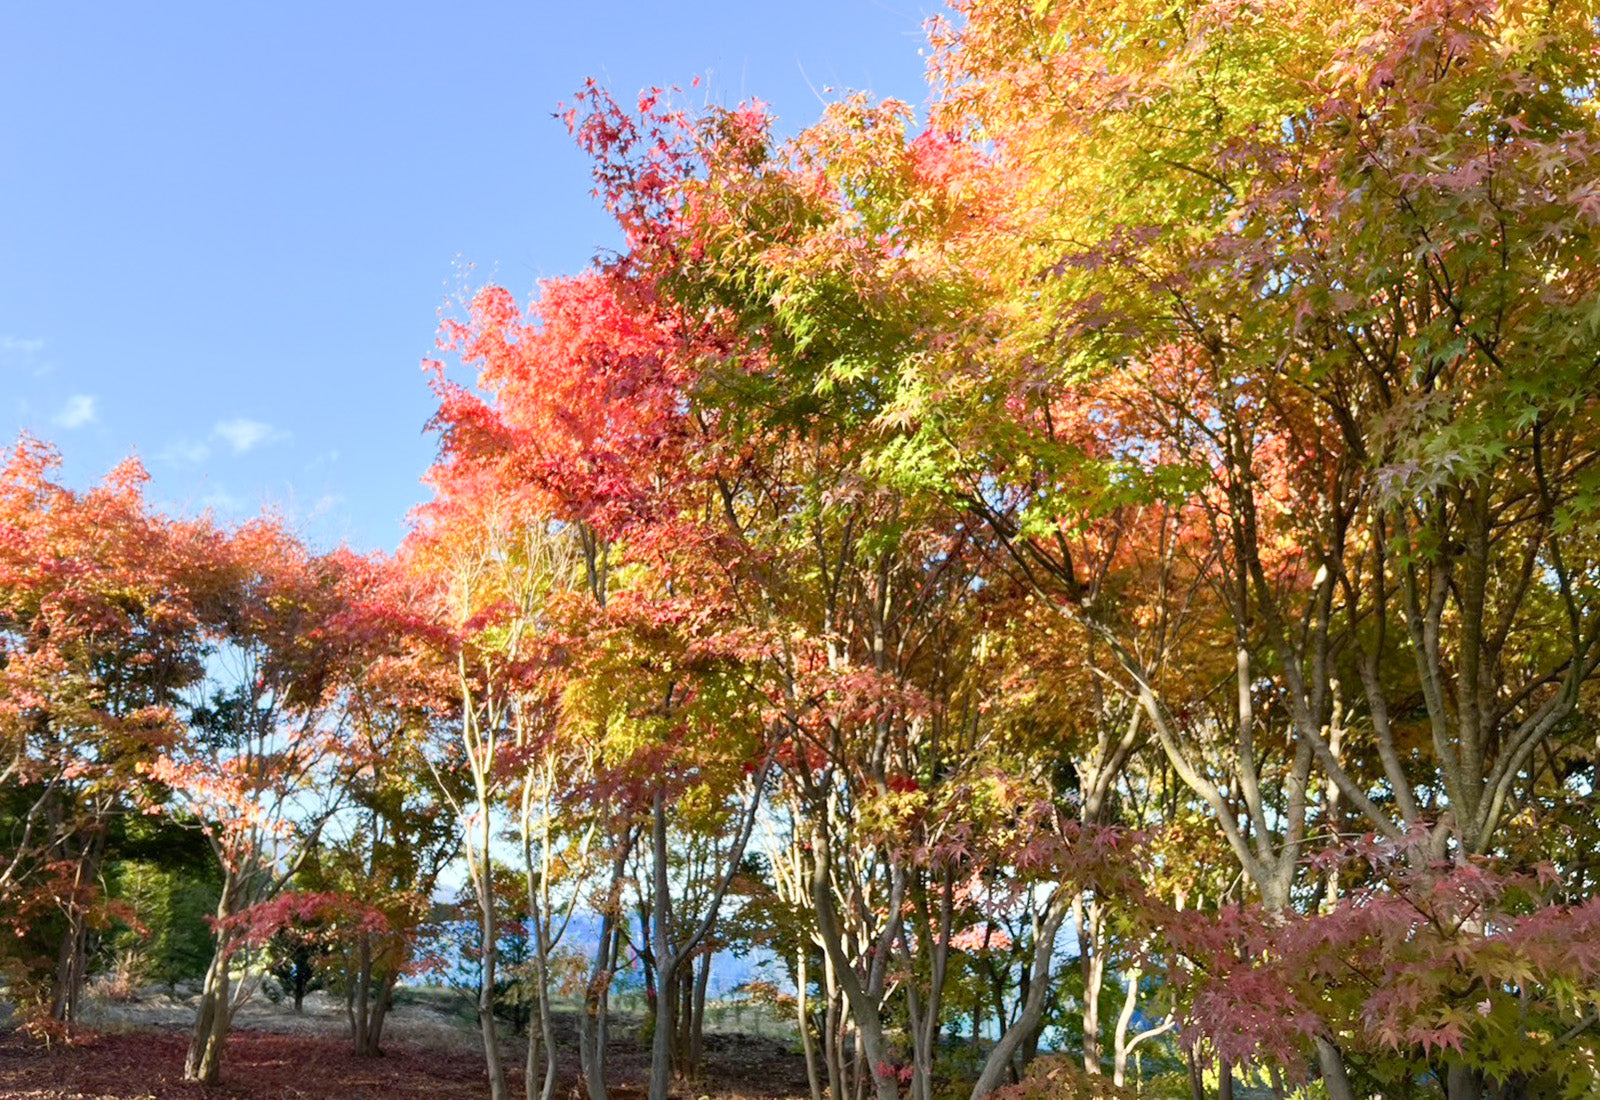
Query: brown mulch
(148,1065)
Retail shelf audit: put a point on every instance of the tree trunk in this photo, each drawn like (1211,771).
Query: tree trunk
(361,992)
(803,1018)
(531,1077)
(926,1019)
(1091,960)
(592,1019)
(369,999)
(666,988)
(487,958)
(591,1027)
(72,963)
(1461,1083)
(1197,1084)
(863,1006)
(546,1027)
(999,1060)
(204,1061)
(833,1030)
(537,1086)
(1334,1078)
(378,1015)
(682,1020)
(697,1032)
(1119,1072)
(71,968)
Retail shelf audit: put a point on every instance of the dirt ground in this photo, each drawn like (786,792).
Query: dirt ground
(134,1051)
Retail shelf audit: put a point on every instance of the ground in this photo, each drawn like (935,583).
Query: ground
(135,1051)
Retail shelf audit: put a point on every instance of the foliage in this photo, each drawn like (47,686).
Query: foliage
(1050,530)
(168,935)
(1421,966)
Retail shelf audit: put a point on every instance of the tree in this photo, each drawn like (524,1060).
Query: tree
(1465,971)
(493,578)
(263,768)
(393,840)
(98,636)
(296,959)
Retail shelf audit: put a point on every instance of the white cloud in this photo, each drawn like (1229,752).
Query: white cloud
(16,345)
(23,353)
(245,435)
(78,411)
(185,452)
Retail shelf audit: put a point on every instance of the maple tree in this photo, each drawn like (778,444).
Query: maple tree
(495,579)
(1462,968)
(100,638)
(586,439)
(392,842)
(263,768)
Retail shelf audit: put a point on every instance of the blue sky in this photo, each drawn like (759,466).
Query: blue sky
(229,228)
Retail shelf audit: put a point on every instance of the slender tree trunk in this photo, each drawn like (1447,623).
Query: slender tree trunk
(369,998)
(661,918)
(378,1014)
(532,1080)
(547,1032)
(1119,1072)
(591,1029)
(1334,1078)
(1091,960)
(833,1032)
(72,963)
(361,992)
(859,1061)
(71,967)
(592,1019)
(537,1086)
(926,1037)
(916,1019)
(605,994)
(683,1020)
(803,1017)
(872,1048)
(999,1060)
(697,1032)
(591,1025)
(1197,1083)
(204,1061)
(488,957)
